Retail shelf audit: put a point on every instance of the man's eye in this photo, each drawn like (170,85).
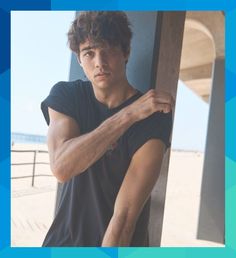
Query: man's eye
(88,54)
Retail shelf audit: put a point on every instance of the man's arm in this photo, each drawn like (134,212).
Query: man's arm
(71,153)
(136,188)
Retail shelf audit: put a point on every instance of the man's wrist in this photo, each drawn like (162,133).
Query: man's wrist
(130,115)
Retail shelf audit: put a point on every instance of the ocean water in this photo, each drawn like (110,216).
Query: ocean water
(27,138)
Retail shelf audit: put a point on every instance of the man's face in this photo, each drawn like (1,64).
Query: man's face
(104,65)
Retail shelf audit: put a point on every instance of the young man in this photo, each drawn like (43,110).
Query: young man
(106,140)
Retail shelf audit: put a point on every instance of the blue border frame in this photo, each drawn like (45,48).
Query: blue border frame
(230,127)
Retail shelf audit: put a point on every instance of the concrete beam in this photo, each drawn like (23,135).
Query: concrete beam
(195,73)
(214,21)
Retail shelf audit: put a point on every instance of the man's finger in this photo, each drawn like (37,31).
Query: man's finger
(166,98)
(165,108)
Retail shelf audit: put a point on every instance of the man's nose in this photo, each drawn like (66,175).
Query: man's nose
(100,60)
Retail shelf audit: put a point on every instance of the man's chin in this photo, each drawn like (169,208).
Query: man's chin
(102,85)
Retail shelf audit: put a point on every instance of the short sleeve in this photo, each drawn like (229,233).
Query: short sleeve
(157,126)
(61,99)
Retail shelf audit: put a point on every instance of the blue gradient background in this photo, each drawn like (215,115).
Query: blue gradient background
(230,124)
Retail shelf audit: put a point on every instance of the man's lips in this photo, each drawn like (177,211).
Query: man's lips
(101,74)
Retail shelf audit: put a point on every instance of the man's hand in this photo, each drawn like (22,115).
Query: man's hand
(151,102)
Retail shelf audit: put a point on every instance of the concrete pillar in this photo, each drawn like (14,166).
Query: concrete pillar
(211,214)
(166,63)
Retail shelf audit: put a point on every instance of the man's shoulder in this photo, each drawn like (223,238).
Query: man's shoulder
(71,84)
(157,123)
(157,119)
(70,87)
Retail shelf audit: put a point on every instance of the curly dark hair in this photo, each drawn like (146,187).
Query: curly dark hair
(112,27)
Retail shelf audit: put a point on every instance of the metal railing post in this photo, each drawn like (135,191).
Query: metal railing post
(34,163)
(35,154)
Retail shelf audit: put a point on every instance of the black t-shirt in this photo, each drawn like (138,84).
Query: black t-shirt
(87,200)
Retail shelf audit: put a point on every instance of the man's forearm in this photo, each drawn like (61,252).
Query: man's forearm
(74,156)
(119,232)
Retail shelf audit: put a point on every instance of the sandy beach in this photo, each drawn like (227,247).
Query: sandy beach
(32,208)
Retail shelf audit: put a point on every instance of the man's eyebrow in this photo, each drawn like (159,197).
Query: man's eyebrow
(88,48)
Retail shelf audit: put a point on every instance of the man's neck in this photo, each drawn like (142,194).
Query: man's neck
(114,96)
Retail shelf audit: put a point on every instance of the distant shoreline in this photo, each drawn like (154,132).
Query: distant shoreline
(27,138)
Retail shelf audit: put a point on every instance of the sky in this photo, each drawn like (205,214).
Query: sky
(40,58)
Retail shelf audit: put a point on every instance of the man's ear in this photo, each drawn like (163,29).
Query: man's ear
(127,55)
